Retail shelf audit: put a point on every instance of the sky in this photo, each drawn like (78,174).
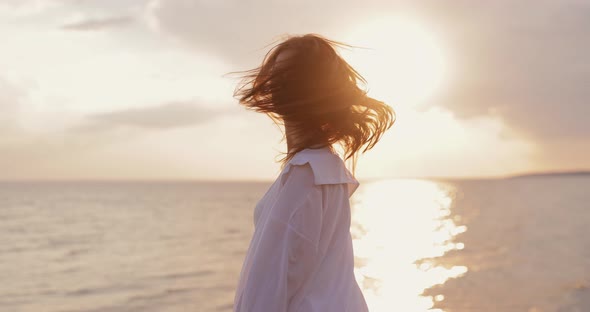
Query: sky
(139,89)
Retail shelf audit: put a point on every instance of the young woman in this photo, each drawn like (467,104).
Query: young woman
(300,258)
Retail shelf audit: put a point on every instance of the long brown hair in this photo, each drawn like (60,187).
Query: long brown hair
(316,92)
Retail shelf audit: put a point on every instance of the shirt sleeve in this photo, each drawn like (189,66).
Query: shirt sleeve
(287,248)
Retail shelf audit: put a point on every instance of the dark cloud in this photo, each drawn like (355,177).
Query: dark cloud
(525,61)
(164,116)
(99,24)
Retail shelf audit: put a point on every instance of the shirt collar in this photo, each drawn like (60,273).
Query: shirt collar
(327,167)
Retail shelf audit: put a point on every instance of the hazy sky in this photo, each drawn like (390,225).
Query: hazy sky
(114,89)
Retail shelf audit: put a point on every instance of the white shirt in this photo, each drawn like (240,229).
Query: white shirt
(300,258)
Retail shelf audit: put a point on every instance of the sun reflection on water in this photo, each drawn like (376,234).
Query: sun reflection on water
(398,227)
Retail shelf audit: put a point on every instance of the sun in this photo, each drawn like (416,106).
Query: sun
(402,61)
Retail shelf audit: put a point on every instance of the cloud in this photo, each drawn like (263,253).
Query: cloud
(116,144)
(238,31)
(524,62)
(99,24)
(24,7)
(19,8)
(163,116)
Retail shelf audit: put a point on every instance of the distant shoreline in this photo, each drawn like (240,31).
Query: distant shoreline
(551,174)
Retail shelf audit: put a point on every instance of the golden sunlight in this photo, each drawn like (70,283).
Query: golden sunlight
(397,236)
(402,60)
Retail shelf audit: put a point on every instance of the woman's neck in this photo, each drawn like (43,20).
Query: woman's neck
(292,141)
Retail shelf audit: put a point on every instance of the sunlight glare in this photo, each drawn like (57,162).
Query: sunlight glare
(399,228)
(403,61)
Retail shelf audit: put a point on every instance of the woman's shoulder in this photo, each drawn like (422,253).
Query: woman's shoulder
(322,166)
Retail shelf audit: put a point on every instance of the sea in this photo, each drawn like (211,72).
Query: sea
(505,244)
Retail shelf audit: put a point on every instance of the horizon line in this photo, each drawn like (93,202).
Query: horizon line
(239,180)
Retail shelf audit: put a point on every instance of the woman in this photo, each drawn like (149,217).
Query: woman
(300,258)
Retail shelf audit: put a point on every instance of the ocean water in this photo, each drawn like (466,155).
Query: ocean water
(520,244)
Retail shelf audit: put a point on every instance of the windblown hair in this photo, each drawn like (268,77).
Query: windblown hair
(316,93)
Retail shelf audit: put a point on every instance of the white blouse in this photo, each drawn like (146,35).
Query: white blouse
(300,258)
